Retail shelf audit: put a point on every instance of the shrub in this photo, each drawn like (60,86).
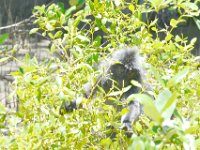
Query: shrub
(171,121)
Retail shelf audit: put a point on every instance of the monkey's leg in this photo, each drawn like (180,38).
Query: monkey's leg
(133,114)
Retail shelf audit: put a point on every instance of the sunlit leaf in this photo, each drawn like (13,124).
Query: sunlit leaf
(59,81)
(3,38)
(97,41)
(49,26)
(162,99)
(173,23)
(106,141)
(131,7)
(83,38)
(115,93)
(197,21)
(149,106)
(4,59)
(77,21)
(166,103)
(34,30)
(191,5)
(58,34)
(70,10)
(135,83)
(2,109)
(178,77)
(168,37)
(117,2)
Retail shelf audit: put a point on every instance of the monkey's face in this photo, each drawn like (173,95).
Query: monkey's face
(123,76)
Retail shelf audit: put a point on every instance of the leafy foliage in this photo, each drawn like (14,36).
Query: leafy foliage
(171,121)
(3,38)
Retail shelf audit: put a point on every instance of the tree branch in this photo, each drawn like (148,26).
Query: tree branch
(17,24)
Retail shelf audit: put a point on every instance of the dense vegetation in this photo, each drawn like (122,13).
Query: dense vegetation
(171,121)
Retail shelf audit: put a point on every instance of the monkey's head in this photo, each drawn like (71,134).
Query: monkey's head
(129,57)
(122,67)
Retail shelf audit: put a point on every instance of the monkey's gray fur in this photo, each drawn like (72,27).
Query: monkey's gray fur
(118,71)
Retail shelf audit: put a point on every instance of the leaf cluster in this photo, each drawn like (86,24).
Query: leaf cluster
(83,38)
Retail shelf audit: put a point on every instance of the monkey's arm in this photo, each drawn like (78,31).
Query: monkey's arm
(70,106)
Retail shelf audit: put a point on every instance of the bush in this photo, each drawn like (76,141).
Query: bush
(169,122)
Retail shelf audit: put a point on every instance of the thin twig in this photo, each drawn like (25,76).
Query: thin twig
(23,21)
(17,24)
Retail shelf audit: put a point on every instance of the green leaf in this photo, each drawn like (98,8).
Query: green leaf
(77,21)
(131,7)
(197,21)
(81,1)
(149,106)
(98,22)
(136,83)
(3,38)
(162,99)
(191,5)
(70,10)
(154,29)
(91,4)
(157,75)
(44,33)
(173,23)
(53,48)
(178,77)
(97,41)
(58,34)
(193,40)
(115,93)
(28,77)
(168,37)
(2,119)
(50,35)
(138,127)
(34,30)
(40,9)
(49,27)
(39,94)
(2,108)
(197,142)
(4,59)
(61,7)
(123,111)
(137,145)
(192,129)
(73,2)
(59,81)
(21,70)
(117,2)
(106,141)
(62,19)
(93,58)
(170,106)
(45,110)
(83,38)
(62,96)
(166,103)
(113,27)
